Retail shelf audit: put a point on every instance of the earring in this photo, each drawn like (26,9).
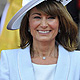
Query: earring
(28,30)
(59,31)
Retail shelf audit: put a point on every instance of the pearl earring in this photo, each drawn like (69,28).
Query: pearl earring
(28,30)
(59,31)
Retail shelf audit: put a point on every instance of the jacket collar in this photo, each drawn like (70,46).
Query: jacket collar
(26,69)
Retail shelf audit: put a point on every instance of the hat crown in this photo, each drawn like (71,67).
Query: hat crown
(64,2)
(24,2)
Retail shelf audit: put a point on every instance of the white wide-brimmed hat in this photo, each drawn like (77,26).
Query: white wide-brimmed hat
(15,22)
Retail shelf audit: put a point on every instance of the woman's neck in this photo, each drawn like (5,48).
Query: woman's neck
(44,49)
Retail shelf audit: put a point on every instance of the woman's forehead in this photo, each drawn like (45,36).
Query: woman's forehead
(36,11)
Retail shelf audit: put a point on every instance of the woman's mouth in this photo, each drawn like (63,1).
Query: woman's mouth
(44,32)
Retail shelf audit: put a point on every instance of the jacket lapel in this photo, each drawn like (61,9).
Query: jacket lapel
(63,65)
(25,65)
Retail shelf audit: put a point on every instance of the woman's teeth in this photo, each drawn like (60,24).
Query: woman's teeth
(44,31)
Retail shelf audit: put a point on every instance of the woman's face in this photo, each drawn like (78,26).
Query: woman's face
(43,27)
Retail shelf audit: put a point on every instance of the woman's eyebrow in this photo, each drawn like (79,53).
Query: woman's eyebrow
(36,13)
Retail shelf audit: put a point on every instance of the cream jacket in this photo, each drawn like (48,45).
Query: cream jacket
(16,65)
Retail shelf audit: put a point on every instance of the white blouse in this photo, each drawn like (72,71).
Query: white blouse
(44,72)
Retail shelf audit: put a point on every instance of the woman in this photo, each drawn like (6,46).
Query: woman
(48,42)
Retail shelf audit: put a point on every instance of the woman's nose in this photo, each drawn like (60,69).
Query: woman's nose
(44,23)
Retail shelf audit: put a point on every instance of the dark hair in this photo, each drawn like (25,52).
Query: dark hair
(68,28)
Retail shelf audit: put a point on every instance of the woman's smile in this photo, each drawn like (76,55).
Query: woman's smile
(44,31)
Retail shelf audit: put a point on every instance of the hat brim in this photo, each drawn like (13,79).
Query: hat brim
(15,22)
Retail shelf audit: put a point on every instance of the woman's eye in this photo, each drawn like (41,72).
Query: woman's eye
(37,17)
(51,17)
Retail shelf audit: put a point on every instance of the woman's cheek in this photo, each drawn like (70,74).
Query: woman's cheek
(54,25)
(35,24)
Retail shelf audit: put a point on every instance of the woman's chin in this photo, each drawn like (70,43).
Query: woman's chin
(44,39)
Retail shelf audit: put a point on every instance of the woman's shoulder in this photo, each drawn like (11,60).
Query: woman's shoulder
(75,55)
(9,54)
(13,52)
